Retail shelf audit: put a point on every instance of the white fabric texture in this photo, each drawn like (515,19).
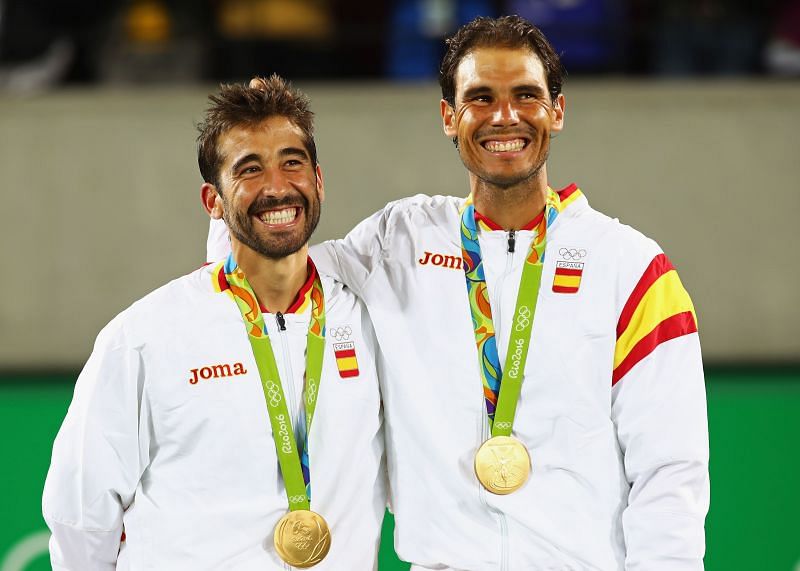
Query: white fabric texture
(619,475)
(189,470)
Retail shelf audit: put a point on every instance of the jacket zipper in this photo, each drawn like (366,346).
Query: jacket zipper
(501,280)
(288,381)
(501,517)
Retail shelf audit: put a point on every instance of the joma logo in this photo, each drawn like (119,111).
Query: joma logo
(216,372)
(452,262)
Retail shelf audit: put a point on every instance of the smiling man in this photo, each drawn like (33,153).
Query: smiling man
(543,386)
(209,407)
(544,391)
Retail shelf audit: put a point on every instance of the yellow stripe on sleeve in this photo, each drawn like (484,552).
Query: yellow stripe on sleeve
(665,298)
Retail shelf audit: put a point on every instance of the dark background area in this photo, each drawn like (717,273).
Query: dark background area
(52,43)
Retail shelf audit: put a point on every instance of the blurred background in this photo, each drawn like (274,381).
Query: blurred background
(682,120)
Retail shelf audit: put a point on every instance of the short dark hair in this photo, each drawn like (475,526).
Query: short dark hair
(504,32)
(247,105)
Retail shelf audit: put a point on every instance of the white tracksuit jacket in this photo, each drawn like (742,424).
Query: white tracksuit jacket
(189,469)
(612,407)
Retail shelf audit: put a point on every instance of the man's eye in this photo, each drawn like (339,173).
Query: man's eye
(482,98)
(250,170)
(294,163)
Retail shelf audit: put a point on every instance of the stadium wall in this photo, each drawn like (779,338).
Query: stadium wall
(101,196)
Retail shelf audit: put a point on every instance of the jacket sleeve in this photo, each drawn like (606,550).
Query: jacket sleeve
(659,409)
(353,259)
(97,459)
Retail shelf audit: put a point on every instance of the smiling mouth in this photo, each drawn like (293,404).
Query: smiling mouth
(495,146)
(280,216)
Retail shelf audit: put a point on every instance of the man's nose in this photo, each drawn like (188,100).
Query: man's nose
(274,182)
(505,113)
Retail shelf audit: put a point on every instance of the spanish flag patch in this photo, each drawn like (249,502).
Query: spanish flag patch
(567,278)
(346,361)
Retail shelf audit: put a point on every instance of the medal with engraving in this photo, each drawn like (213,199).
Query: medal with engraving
(301,537)
(502,463)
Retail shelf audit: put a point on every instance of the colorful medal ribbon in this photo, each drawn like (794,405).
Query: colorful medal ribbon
(501,405)
(293,462)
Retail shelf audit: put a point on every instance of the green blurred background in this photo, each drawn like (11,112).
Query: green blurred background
(754,421)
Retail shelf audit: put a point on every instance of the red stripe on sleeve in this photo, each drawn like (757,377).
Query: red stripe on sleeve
(672,327)
(348,373)
(657,268)
(345,353)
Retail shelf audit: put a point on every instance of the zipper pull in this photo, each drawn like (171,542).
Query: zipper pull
(511,241)
(281,321)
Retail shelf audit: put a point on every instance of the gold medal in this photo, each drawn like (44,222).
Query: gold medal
(502,464)
(302,538)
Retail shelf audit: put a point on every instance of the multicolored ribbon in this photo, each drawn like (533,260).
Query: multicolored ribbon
(478,294)
(294,462)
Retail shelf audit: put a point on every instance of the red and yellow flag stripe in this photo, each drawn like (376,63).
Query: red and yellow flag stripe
(346,361)
(658,309)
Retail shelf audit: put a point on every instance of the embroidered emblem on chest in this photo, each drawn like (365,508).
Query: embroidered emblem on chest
(441,260)
(569,270)
(212,372)
(344,350)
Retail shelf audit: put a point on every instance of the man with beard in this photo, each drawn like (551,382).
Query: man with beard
(208,408)
(543,384)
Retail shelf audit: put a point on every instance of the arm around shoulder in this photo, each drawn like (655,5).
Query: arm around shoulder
(352,259)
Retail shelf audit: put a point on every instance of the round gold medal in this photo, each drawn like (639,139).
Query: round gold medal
(502,464)
(302,538)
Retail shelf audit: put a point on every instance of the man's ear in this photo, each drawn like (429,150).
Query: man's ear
(320,184)
(559,106)
(448,119)
(212,201)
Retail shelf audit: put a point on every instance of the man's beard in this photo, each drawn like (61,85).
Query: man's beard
(274,247)
(514,179)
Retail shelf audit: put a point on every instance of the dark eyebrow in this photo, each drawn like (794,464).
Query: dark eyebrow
(535,89)
(294,152)
(475,91)
(245,159)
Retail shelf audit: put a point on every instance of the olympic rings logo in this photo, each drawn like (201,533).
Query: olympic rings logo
(502,425)
(572,253)
(311,392)
(273,394)
(341,333)
(523,318)
(297,499)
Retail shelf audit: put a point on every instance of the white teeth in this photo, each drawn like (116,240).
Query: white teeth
(504,146)
(279,216)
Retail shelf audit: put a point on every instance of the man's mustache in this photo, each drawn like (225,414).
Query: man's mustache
(270,203)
